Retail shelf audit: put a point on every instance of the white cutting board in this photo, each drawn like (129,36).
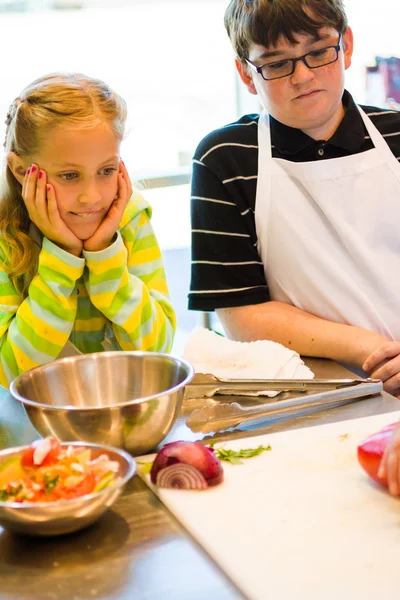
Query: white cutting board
(300,521)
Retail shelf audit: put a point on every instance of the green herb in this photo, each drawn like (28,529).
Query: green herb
(4,495)
(9,492)
(50,483)
(145,467)
(234,456)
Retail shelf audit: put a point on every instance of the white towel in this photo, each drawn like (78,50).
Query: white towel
(212,353)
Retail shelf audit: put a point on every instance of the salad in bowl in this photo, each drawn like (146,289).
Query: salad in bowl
(49,487)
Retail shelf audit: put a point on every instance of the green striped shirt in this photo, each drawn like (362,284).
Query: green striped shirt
(116,299)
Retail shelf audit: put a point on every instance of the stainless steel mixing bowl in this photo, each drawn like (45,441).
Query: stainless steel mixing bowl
(65,516)
(125,399)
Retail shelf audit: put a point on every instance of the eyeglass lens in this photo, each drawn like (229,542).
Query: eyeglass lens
(317,58)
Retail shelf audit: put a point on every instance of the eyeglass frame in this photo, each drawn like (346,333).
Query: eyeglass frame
(294,61)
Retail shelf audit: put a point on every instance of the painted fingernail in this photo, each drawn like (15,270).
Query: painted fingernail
(40,174)
(122,162)
(49,188)
(28,171)
(33,169)
(122,175)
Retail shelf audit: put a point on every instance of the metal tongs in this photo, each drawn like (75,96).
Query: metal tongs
(207,385)
(223,415)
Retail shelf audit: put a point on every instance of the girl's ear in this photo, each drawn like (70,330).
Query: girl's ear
(17,166)
(245,76)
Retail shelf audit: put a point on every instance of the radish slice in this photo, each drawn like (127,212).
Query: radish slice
(181,476)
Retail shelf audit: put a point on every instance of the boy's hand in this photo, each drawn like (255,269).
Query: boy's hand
(103,236)
(384,363)
(41,203)
(390,464)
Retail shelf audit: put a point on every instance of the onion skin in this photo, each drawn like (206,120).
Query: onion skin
(371,450)
(181,476)
(194,454)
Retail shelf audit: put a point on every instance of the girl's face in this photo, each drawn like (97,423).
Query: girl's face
(82,164)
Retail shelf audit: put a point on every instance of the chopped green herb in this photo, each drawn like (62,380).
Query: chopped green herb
(50,483)
(9,491)
(234,456)
(4,495)
(145,467)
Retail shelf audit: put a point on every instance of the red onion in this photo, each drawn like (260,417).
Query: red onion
(181,476)
(194,454)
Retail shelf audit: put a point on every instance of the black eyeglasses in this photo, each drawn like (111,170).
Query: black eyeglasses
(312,60)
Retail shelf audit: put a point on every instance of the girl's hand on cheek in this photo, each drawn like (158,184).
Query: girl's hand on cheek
(104,234)
(41,203)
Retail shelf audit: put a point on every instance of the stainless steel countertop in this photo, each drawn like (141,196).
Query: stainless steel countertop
(137,550)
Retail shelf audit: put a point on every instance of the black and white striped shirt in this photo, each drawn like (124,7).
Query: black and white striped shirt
(226,267)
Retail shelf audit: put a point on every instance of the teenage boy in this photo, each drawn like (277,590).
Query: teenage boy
(296,211)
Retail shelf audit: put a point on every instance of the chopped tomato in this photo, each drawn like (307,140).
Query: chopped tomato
(85,485)
(51,454)
(42,452)
(48,471)
(27,457)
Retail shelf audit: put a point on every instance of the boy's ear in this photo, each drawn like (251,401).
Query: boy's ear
(245,76)
(17,166)
(347,47)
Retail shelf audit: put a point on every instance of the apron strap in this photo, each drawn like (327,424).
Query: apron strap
(379,142)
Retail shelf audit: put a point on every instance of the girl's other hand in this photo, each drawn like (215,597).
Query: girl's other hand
(41,203)
(104,234)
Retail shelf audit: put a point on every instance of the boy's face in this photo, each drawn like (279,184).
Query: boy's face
(309,99)
(82,164)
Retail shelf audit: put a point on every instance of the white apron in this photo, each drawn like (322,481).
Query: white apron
(329,233)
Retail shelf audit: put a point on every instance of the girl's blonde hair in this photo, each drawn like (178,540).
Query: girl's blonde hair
(56,99)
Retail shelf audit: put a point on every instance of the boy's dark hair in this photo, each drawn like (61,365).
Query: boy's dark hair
(263,22)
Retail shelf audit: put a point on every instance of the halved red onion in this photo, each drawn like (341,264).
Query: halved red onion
(181,476)
(195,455)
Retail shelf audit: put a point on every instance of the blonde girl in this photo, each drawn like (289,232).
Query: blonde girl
(80,267)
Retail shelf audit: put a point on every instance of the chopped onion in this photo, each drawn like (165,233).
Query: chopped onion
(77,467)
(181,476)
(42,448)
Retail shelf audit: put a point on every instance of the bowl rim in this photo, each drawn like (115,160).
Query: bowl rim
(100,355)
(132,468)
